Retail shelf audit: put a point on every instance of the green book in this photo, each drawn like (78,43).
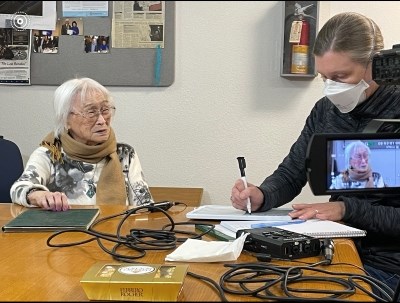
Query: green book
(40,220)
(214,233)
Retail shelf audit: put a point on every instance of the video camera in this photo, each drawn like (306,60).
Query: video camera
(325,154)
(386,66)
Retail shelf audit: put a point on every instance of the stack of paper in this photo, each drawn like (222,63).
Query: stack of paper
(228,212)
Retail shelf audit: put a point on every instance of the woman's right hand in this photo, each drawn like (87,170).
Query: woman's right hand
(55,201)
(240,194)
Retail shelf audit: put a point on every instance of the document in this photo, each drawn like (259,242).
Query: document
(228,212)
(15,57)
(138,24)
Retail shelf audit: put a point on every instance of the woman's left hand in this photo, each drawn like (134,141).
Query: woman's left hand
(333,211)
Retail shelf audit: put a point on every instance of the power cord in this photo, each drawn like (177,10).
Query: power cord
(214,284)
(138,240)
(256,279)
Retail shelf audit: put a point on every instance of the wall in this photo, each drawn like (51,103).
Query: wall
(227,100)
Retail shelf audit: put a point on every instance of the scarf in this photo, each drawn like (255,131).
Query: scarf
(359,175)
(111,185)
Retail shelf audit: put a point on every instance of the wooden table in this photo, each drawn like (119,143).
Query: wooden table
(33,271)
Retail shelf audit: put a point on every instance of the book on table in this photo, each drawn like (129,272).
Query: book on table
(40,220)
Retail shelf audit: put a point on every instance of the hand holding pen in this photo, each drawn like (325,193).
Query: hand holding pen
(242,166)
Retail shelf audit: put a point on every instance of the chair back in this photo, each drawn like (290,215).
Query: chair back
(191,196)
(11,167)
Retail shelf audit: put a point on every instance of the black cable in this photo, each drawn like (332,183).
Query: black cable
(194,235)
(383,288)
(388,294)
(138,240)
(349,288)
(256,279)
(212,282)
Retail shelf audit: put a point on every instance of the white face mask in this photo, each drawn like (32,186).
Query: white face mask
(345,96)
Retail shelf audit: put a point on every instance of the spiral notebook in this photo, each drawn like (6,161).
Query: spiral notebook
(324,229)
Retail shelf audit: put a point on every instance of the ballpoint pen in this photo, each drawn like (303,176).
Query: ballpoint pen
(273,224)
(242,166)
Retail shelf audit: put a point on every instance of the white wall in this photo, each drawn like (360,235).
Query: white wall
(228,98)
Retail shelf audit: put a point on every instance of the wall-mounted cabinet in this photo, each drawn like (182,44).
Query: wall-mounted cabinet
(300,20)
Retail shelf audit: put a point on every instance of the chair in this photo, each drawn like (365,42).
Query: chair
(191,196)
(11,167)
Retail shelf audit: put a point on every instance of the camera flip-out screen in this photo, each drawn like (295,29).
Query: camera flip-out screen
(354,163)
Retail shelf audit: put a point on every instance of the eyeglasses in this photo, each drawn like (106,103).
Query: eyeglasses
(93,114)
(359,157)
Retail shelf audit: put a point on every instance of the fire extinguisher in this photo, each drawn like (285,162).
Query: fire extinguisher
(300,37)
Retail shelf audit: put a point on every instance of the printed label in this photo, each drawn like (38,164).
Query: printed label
(136,270)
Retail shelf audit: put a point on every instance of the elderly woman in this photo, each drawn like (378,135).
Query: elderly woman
(81,162)
(358,172)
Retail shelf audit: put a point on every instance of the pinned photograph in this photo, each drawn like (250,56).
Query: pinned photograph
(70,26)
(97,44)
(141,6)
(43,41)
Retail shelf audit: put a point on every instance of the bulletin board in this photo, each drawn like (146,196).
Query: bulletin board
(119,67)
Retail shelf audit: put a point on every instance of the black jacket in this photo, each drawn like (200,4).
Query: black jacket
(379,215)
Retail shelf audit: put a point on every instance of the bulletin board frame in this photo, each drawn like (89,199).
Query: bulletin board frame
(118,67)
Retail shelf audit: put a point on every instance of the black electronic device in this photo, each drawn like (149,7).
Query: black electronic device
(386,66)
(326,159)
(280,243)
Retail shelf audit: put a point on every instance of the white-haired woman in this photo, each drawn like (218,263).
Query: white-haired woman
(81,162)
(358,172)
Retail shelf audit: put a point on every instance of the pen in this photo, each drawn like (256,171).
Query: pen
(242,166)
(272,224)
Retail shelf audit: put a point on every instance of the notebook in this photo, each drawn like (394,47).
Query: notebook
(40,220)
(228,212)
(324,229)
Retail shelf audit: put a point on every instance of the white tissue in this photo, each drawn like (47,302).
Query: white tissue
(193,250)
